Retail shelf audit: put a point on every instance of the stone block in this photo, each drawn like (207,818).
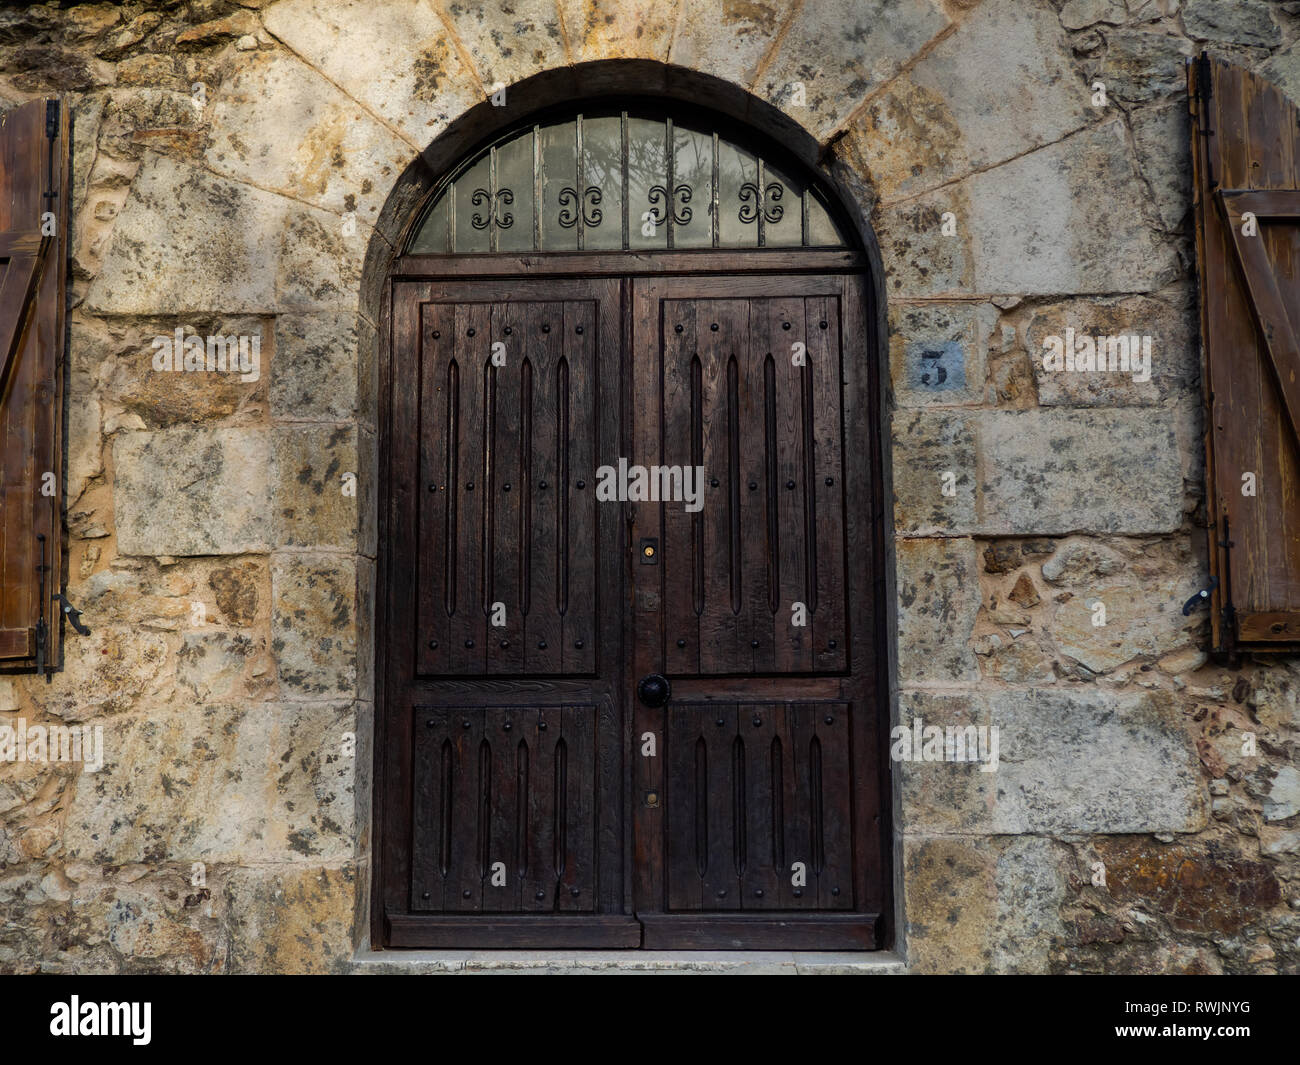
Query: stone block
(840,50)
(399,60)
(220,783)
(291,919)
(1068,762)
(317,487)
(1170,323)
(315,376)
(189,242)
(981,905)
(192,491)
(1035,222)
(313,627)
(962,107)
(938,352)
(938,598)
(278,124)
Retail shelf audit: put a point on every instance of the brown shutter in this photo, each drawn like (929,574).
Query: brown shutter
(33,249)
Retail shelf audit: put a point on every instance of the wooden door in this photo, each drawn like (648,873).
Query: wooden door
(503,782)
(532,795)
(757,801)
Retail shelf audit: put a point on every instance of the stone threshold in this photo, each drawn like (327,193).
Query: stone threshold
(595,962)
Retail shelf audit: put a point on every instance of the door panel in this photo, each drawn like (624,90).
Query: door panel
(508,821)
(758,807)
(509,509)
(767,549)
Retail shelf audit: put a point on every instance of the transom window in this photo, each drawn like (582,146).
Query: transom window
(622,180)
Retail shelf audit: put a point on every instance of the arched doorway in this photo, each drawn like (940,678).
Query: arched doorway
(629,618)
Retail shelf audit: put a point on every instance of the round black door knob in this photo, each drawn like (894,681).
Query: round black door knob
(470,332)
(507,330)
(785,325)
(546,328)
(578,330)
(654,690)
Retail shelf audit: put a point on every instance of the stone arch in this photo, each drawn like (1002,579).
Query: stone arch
(647,79)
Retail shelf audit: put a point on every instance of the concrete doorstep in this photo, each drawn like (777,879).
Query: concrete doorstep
(619,962)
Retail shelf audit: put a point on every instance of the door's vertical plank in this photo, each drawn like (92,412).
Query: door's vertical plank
(682,435)
(833,797)
(720,889)
(508,540)
(718,621)
(799,810)
(468,626)
(760,887)
(793,644)
(502,729)
(608,808)
(580,533)
(436,559)
(433,767)
(577,885)
(819,390)
(394,786)
(1243,390)
(540,881)
(464,880)
(686,852)
(757,490)
(541,490)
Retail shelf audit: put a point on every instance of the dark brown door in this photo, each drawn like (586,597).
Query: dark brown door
(757,802)
(503,778)
(534,791)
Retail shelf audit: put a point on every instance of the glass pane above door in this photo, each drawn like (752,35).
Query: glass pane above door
(620,180)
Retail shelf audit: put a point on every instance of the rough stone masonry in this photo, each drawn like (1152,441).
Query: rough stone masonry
(238,172)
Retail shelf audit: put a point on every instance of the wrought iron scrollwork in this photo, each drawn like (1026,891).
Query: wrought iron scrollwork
(659,194)
(503,221)
(772,211)
(591,215)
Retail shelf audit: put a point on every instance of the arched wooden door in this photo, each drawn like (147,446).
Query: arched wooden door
(629,578)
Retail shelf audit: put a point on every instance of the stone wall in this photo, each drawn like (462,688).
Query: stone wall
(245,168)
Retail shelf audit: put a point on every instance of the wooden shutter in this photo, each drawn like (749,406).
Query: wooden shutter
(1246,164)
(33,248)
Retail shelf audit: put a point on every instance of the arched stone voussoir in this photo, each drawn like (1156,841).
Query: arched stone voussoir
(508,40)
(835,53)
(729,39)
(279,124)
(1001,84)
(398,60)
(618,29)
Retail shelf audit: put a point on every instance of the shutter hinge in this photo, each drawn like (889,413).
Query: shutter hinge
(51,134)
(74,615)
(1200,597)
(42,630)
(1204,79)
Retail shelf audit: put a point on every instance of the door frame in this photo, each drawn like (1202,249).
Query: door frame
(626,266)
